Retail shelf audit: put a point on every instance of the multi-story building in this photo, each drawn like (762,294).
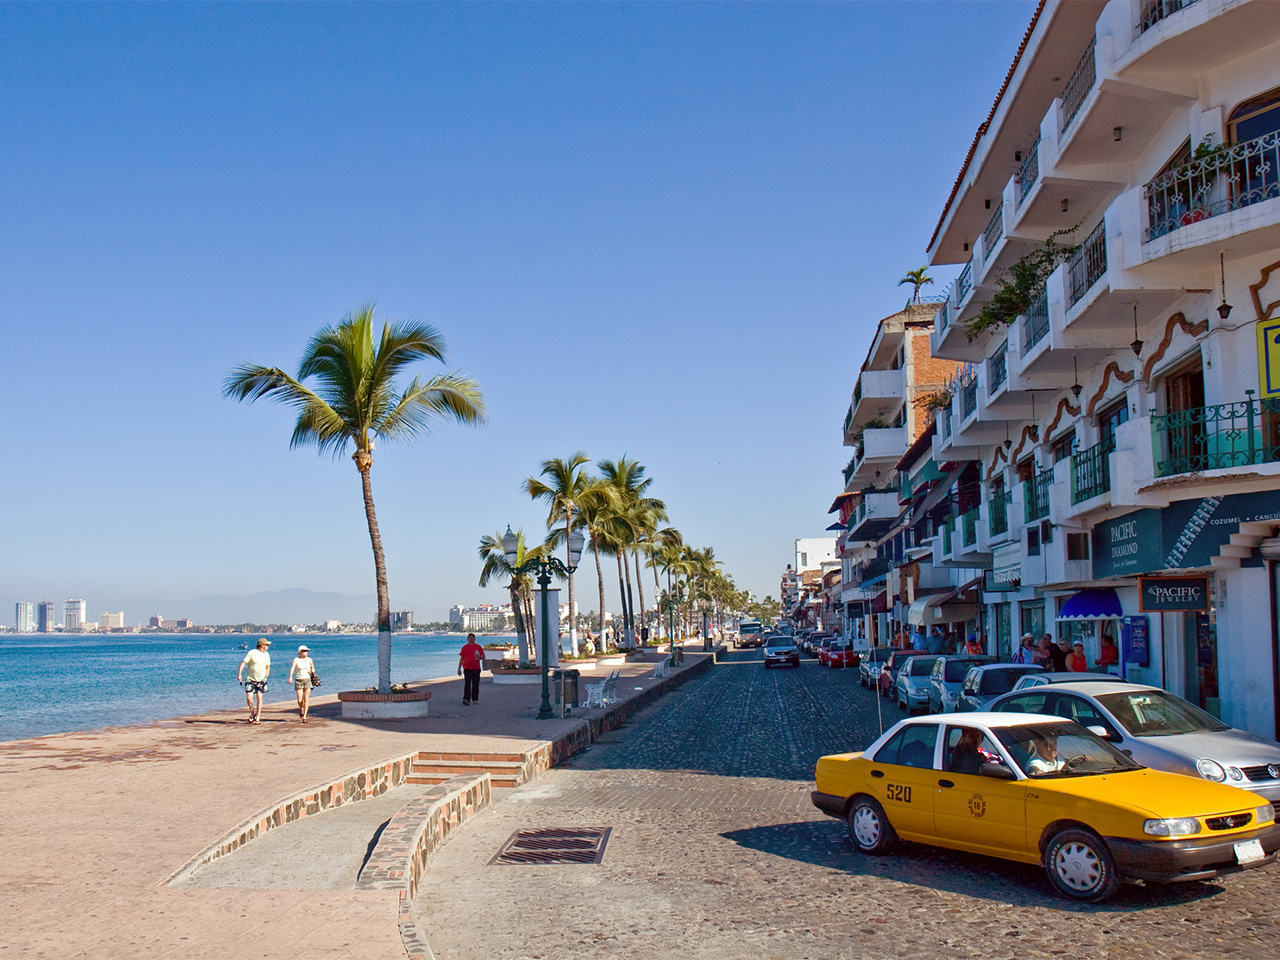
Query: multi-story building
(155,621)
(401,619)
(111,621)
(479,619)
(24,620)
(73,615)
(1116,222)
(44,617)
(893,406)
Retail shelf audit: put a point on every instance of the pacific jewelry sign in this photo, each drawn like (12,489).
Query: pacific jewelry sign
(1172,594)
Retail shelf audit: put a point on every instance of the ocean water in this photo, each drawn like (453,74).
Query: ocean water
(60,683)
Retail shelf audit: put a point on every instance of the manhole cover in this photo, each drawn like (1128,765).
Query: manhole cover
(554,845)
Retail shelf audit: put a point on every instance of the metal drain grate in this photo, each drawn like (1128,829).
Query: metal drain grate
(554,845)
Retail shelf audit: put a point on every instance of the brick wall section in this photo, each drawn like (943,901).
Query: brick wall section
(420,828)
(353,787)
(925,374)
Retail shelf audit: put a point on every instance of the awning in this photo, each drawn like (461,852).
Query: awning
(840,498)
(1092,603)
(881,603)
(1006,562)
(939,608)
(836,526)
(958,591)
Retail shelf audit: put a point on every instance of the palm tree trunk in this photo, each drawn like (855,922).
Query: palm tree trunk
(517,611)
(635,555)
(622,592)
(363,463)
(595,548)
(631,602)
(657,592)
(568,561)
(527,600)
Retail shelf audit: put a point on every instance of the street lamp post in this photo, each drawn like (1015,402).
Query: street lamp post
(545,566)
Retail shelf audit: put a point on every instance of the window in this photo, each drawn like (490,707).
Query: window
(1111,418)
(1255,118)
(1077,546)
(1026,470)
(967,754)
(1026,703)
(1033,541)
(1064,446)
(911,747)
(1083,712)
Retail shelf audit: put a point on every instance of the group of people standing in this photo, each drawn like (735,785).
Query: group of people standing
(1065,656)
(255,670)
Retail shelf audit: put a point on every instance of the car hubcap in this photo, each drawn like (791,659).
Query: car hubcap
(1077,866)
(866,827)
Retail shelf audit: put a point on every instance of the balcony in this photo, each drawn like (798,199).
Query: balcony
(964,284)
(969,527)
(1028,172)
(1088,264)
(1244,433)
(879,450)
(1091,471)
(876,570)
(998,514)
(1035,323)
(1035,496)
(1153,11)
(874,515)
(876,396)
(998,368)
(993,234)
(1078,87)
(1223,180)
(968,398)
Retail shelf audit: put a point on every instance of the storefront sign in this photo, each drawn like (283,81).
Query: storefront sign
(1195,530)
(1137,642)
(1128,545)
(1269,357)
(1165,594)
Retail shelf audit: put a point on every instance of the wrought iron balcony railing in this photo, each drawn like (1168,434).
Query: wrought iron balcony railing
(1238,434)
(849,468)
(964,283)
(1036,322)
(998,518)
(995,230)
(1225,179)
(1035,496)
(1153,11)
(940,318)
(848,418)
(969,527)
(876,568)
(1091,471)
(1078,87)
(1088,263)
(998,367)
(968,398)
(948,532)
(1029,172)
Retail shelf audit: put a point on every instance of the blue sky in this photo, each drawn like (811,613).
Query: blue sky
(657,230)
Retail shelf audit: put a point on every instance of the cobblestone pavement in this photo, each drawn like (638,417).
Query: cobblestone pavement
(716,852)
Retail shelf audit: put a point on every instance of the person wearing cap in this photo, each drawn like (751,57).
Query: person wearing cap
(973,646)
(254,680)
(300,672)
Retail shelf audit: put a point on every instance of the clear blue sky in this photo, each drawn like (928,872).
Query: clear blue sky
(660,230)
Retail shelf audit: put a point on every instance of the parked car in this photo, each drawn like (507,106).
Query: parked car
(872,661)
(984,683)
(1062,676)
(814,643)
(1042,790)
(911,688)
(947,677)
(1159,730)
(889,672)
(780,650)
(839,653)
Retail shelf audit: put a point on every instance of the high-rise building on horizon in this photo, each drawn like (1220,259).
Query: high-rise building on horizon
(24,617)
(44,616)
(73,615)
(401,619)
(111,621)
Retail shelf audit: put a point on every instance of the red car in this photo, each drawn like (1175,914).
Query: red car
(838,653)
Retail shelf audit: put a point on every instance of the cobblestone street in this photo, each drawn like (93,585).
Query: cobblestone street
(716,851)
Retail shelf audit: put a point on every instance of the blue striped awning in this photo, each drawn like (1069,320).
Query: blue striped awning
(1093,603)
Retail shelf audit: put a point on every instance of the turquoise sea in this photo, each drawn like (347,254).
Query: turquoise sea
(58,683)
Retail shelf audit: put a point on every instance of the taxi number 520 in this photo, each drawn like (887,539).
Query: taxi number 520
(899,792)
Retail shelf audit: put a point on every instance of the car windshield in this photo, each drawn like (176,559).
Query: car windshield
(879,654)
(1000,680)
(922,666)
(1061,750)
(779,642)
(1158,713)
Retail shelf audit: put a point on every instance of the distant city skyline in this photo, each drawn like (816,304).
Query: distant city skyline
(635,226)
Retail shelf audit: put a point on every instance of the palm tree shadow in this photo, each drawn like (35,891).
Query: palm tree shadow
(824,843)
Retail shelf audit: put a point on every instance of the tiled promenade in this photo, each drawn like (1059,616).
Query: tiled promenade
(93,823)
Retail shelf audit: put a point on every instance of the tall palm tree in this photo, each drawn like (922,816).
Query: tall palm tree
(605,528)
(356,399)
(494,556)
(565,486)
(917,278)
(652,546)
(627,477)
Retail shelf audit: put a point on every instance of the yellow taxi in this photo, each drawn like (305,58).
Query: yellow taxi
(1043,790)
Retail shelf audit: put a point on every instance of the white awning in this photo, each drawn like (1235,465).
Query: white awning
(1006,562)
(935,610)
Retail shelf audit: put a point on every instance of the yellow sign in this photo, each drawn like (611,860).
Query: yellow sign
(1269,357)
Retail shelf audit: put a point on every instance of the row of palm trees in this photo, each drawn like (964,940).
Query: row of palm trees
(622,521)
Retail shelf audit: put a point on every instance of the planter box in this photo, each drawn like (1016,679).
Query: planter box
(366,705)
(531,675)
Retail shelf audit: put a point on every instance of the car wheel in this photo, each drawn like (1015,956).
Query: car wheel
(1080,866)
(869,828)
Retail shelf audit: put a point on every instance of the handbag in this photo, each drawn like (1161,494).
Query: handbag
(315,680)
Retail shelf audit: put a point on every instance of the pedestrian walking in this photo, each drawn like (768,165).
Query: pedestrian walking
(254,680)
(470,661)
(301,672)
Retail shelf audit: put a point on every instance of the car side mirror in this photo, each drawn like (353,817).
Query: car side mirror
(997,771)
(1103,733)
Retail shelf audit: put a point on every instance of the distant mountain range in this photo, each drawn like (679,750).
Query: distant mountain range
(295,605)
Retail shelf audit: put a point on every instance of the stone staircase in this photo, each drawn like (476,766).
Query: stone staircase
(504,769)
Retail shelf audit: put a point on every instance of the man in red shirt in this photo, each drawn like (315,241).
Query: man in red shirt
(470,660)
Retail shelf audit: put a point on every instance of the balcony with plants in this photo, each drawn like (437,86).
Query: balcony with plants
(879,448)
(877,396)
(874,515)
(1188,36)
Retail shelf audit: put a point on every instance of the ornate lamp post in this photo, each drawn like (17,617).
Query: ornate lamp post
(545,567)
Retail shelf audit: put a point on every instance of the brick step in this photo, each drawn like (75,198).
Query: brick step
(485,757)
(495,779)
(456,767)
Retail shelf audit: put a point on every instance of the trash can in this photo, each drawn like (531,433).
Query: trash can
(566,684)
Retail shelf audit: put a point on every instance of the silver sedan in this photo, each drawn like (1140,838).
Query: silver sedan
(1158,730)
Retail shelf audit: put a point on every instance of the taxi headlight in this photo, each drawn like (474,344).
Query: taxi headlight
(1264,814)
(1211,770)
(1180,827)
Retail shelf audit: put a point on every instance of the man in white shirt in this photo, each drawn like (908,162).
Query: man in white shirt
(255,681)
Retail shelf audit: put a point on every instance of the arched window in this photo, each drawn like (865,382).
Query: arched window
(1255,117)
